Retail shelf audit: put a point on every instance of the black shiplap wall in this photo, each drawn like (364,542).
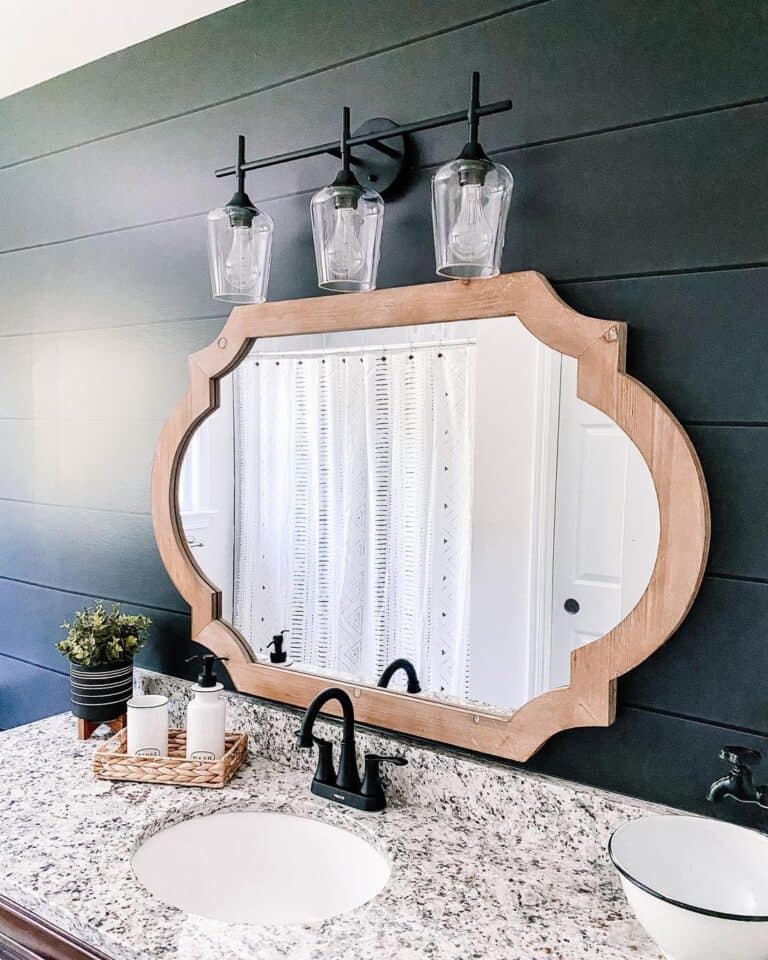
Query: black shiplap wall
(638,141)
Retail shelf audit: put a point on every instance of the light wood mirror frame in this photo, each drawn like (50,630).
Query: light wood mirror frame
(599,347)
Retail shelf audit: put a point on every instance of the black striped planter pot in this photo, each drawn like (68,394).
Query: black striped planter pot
(100,693)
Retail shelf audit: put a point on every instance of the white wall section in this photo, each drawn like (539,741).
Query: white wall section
(40,39)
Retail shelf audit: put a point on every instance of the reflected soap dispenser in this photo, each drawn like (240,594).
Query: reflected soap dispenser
(206,714)
(279,655)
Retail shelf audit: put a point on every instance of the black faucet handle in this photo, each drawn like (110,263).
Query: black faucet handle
(741,757)
(395,761)
(372,779)
(324,772)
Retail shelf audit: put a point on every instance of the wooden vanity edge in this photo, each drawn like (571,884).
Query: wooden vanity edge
(26,936)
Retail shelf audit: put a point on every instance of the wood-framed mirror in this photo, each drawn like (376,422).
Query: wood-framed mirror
(459,474)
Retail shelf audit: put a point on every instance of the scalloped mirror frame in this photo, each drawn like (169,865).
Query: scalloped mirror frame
(599,347)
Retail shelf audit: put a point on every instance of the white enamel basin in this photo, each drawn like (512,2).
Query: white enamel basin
(698,886)
(250,867)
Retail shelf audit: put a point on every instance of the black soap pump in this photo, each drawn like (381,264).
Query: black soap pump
(207,678)
(278,655)
(206,713)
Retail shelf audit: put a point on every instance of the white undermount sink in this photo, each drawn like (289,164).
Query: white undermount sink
(698,886)
(253,867)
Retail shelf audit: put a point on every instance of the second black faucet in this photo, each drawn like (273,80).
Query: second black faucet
(738,783)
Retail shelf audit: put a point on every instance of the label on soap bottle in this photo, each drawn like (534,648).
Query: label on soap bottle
(202,755)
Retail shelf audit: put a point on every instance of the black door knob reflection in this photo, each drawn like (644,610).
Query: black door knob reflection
(571,605)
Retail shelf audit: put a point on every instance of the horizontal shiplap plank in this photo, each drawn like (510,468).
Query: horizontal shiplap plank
(129,277)
(254,45)
(715,665)
(658,198)
(558,59)
(148,275)
(80,463)
(32,618)
(735,463)
(125,373)
(29,692)
(655,757)
(697,340)
(97,553)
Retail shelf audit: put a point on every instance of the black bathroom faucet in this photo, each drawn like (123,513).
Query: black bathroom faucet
(738,784)
(345,786)
(410,671)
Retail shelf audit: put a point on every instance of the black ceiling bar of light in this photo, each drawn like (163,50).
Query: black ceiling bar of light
(375,138)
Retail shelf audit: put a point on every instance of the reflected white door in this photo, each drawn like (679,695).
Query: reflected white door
(606,527)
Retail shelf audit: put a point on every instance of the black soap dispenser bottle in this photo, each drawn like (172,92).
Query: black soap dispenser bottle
(278,655)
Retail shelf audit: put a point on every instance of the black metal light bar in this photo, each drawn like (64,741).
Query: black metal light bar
(375,137)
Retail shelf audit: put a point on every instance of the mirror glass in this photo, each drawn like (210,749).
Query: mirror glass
(436,493)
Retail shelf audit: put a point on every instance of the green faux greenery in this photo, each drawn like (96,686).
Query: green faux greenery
(97,637)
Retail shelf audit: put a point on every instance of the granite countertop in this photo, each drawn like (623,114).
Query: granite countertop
(466,883)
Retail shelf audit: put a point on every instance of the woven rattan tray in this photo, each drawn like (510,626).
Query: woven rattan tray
(111,762)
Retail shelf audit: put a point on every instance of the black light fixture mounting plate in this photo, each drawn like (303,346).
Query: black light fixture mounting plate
(378,165)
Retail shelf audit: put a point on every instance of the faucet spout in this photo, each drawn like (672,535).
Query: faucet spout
(410,671)
(722,788)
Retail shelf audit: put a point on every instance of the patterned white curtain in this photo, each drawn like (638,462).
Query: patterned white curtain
(353,500)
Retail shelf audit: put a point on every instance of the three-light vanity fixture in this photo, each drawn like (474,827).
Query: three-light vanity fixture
(470,203)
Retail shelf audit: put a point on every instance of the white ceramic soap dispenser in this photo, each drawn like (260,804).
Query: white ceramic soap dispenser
(206,714)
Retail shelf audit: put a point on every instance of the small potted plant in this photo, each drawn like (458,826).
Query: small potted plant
(100,646)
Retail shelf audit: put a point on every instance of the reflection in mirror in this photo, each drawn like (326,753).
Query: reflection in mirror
(435,493)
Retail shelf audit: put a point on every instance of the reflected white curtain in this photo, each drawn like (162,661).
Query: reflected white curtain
(353,499)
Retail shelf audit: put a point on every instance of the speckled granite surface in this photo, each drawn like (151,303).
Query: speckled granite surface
(486,862)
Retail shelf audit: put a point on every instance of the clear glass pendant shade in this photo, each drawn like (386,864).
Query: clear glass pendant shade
(470,203)
(346,227)
(239,253)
